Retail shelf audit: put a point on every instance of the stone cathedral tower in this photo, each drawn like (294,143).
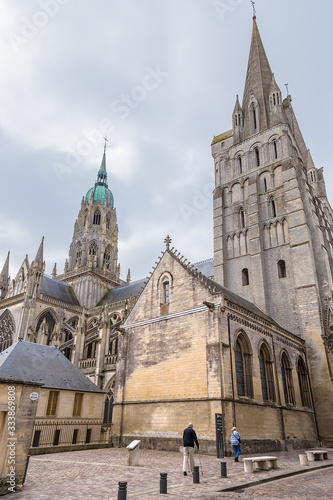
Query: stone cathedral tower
(92,268)
(273,223)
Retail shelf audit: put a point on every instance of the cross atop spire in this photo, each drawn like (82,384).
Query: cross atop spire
(102,175)
(254,9)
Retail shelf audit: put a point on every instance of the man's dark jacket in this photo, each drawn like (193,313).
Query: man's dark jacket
(190,437)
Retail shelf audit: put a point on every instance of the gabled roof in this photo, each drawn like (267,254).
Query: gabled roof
(31,362)
(214,287)
(206,267)
(58,290)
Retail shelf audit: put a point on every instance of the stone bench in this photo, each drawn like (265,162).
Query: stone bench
(261,463)
(313,455)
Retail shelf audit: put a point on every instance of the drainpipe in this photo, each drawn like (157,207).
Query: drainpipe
(279,394)
(232,374)
(311,393)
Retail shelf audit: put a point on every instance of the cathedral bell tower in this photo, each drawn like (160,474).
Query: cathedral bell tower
(273,224)
(92,267)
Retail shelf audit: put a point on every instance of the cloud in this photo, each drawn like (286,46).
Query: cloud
(77,72)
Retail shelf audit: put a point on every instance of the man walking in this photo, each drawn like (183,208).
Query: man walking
(189,438)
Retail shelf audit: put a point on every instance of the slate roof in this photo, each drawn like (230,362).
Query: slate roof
(122,292)
(58,290)
(237,299)
(205,267)
(31,362)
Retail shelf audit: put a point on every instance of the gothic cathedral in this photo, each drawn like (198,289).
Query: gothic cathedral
(246,336)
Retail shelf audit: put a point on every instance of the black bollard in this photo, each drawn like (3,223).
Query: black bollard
(163,482)
(196,474)
(122,491)
(223,469)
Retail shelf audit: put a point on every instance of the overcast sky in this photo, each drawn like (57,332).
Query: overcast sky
(162,77)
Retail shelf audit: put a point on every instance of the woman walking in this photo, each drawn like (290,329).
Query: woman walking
(235,441)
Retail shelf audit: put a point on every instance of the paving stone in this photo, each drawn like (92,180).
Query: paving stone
(95,474)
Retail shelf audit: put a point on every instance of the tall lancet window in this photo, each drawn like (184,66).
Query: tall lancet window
(254,117)
(275,149)
(240,166)
(97,218)
(107,258)
(272,207)
(241,218)
(257,156)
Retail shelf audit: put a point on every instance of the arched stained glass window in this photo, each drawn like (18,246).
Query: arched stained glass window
(266,374)
(243,362)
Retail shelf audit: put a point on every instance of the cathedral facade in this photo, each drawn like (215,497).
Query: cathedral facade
(79,310)
(245,337)
(253,346)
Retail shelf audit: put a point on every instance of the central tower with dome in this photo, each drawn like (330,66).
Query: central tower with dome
(93,267)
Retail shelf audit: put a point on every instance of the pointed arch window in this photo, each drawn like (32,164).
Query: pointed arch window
(7,330)
(97,218)
(245,277)
(243,363)
(287,380)
(108,405)
(45,326)
(93,248)
(107,258)
(304,386)
(165,284)
(78,253)
(282,271)
(254,117)
(266,374)
(107,222)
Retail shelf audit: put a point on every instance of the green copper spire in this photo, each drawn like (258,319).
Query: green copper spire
(100,192)
(102,175)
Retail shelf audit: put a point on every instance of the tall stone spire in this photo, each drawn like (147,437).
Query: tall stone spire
(257,86)
(38,260)
(4,278)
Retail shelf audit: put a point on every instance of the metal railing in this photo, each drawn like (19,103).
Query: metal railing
(67,432)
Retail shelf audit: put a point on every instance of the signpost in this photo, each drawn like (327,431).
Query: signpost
(219,435)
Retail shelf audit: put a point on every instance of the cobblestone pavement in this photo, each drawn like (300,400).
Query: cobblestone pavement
(313,485)
(94,475)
